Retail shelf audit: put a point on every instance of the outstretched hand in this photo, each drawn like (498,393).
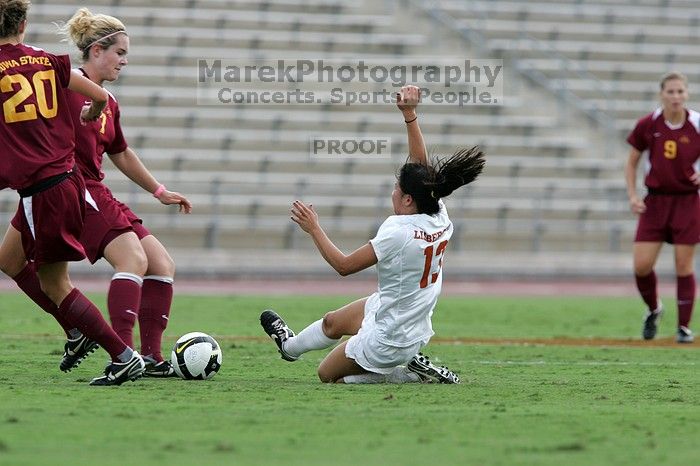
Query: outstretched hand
(407,100)
(304,216)
(172,198)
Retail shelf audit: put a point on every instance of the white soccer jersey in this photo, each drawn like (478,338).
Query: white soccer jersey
(410,251)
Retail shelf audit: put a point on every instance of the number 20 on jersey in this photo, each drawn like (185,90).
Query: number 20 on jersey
(15,110)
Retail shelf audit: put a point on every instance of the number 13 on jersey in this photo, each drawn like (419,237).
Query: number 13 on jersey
(430,255)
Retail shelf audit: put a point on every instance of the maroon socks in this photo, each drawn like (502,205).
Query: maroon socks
(77,309)
(685,293)
(28,281)
(156,298)
(647,289)
(123,302)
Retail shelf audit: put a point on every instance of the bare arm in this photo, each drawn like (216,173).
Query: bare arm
(362,258)
(636,204)
(89,89)
(130,164)
(407,101)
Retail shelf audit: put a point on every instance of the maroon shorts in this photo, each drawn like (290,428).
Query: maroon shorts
(50,222)
(670,218)
(105,219)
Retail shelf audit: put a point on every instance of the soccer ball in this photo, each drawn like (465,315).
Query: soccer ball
(196,355)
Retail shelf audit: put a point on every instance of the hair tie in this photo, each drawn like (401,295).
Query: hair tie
(106,37)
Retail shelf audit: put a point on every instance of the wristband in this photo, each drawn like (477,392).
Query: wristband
(159,190)
(411,121)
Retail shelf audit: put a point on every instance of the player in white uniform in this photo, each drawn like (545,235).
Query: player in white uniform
(390,327)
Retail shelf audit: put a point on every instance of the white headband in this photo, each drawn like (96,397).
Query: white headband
(105,37)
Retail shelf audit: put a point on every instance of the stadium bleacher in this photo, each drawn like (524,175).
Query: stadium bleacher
(553,184)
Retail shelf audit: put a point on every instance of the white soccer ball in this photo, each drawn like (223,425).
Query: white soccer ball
(196,356)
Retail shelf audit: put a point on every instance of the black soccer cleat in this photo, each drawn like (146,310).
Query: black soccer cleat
(651,324)
(158,369)
(429,372)
(275,327)
(75,350)
(116,373)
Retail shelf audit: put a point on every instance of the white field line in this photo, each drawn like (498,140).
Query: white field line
(582,363)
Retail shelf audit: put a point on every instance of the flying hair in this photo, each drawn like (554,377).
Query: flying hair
(428,184)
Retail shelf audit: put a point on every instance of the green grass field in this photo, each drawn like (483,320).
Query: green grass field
(518,404)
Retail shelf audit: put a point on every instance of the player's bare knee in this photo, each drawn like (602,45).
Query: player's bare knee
(170,266)
(140,263)
(163,265)
(643,268)
(325,376)
(331,325)
(54,290)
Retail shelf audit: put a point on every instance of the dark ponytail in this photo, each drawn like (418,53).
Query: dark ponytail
(427,184)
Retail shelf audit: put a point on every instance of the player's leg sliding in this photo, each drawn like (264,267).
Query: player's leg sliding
(290,345)
(418,370)
(400,375)
(278,330)
(309,339)
(429,372)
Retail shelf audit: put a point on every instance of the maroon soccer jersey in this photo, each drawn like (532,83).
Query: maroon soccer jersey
(672,152)
(96,138)
(36,128)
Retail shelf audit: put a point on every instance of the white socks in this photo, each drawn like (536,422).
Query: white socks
(399,375)
(311,338)
(402,375)
(369,377)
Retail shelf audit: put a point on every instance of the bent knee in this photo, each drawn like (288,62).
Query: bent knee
(162,265)
(325,376)
(133,260)
(331,325)
(141,263)
(643,268)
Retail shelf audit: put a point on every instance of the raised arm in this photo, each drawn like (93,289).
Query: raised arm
(407,101)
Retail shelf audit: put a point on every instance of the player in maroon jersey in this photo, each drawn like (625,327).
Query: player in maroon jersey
(142,286)
(38,162)
(111,229)
(671,210)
